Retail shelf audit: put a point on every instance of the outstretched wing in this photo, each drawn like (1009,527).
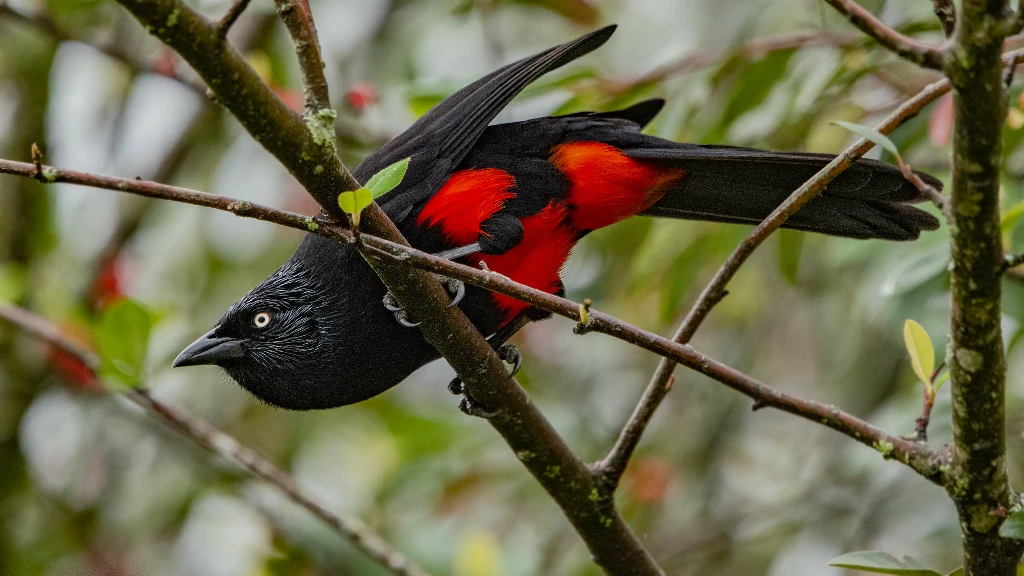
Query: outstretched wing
(442,137)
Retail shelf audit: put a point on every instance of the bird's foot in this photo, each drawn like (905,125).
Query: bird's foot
(469,405)
(508,354)
(454,287)
(511,355)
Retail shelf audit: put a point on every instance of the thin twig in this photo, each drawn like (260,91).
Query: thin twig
(1013,260)
(936,197)
(222,444)
(231,16)
(1010,72)
(298,18)
(614,465)
(945,11)
(908,48)
(922,421)
(716,289)
(922,459)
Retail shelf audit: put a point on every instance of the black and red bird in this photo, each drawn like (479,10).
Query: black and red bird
(320,332)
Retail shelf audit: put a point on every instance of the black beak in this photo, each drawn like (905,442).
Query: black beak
(209,350)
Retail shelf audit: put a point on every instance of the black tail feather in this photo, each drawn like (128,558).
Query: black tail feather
(871,199)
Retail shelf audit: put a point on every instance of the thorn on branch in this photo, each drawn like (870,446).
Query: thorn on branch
(230,17)
(758,405)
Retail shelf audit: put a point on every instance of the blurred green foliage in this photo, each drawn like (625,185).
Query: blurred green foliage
(89,487)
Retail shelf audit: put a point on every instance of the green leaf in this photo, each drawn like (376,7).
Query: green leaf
(941,380)
(871,135)
(879,562)
(354,202)
(387,179)
(1013,526)
(791,243)
(922,353)
(958,572)
(122,336)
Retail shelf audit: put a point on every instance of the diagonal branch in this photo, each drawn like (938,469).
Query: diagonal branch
(908,48)
(214,440)
(919,457)
(306,148)
(614,464)
(716,289)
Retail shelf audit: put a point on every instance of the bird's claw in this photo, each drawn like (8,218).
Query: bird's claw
(455,287)
(472,408)
(468,405)
(391,303)
(510,354)
(507,353)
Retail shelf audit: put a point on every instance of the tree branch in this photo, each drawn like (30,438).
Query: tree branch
(298,18)
(613,466)
(716,289)
(212,439)
(980,484)
(908,48)
(231,16)
(945,11)
(919,457)
(306,148)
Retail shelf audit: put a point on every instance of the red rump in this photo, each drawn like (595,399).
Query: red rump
(606,185)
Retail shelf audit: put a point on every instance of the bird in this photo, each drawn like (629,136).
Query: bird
(322,330)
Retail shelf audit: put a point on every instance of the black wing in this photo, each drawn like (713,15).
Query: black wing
(442,137)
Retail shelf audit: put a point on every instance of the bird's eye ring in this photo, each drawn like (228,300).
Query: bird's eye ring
(261,319)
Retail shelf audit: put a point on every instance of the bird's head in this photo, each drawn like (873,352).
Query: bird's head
(273,341)
(313,335)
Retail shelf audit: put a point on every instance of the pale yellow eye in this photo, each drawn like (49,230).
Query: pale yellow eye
(261,320)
